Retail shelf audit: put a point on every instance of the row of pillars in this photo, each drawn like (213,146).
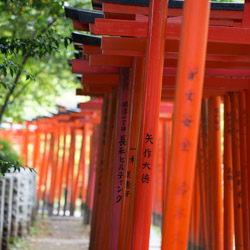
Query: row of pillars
(124,189)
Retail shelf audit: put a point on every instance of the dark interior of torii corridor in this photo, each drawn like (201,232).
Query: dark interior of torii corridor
(125,124)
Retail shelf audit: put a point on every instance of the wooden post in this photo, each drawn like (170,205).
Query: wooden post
(149,124)
(244,170)
(238,223)
(228,177)
(186,124)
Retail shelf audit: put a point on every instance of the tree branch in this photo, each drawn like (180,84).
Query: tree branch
(6,101)
(24,87)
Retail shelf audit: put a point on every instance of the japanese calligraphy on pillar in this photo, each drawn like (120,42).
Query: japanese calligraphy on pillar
(122,146)
(228,130)
(132,152)
(147,154)
(237,172)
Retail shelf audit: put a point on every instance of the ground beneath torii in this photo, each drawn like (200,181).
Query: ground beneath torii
(64,233)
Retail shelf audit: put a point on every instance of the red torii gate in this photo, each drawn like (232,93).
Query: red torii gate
(227,62)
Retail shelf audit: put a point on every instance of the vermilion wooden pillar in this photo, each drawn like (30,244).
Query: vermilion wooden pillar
(26,144)
(207,158)
(185,124)
(54,164)
(70,167)
(42,166)
(105,180)
(228,177)
(131,152)
(248,142)
(216,173)
(96,202)
(244,164)
(63,167)
(238,223)
(80,173)
(149,125)
(37,144)
(202,183)
(48,169)
(119,157)
(92,173)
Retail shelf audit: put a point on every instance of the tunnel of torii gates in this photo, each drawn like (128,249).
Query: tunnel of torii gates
(152,146)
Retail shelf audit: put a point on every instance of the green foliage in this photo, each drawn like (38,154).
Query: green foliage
(35,45)
(9,160)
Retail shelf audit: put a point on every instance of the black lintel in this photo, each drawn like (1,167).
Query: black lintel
(86,39)
(77,47)
(179,4)
(214,6)
(83,15)
(71,12)
(78,55)
(89,16)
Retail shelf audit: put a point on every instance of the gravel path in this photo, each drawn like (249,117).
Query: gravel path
(56,233)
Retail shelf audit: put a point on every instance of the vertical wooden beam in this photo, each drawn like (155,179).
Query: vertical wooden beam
(228,177)
(120,145)
(248,143)
(246,15)
(238,223)
(186,124)
(131,150)
(63,168)
(102,141)
(149,124)
(216,173)
(244,170)
(37,144)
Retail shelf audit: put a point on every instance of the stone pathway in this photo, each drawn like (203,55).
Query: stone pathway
(64,233)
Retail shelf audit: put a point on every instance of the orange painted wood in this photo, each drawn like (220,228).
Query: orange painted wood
(37,147)
(139,45)
(54,166)
(211,160)
(132,9)
(248,141)
(81,172)
(108,79)
(80,25)
(105,188)
(98,89)
(63,167)
(185,124)
(216,173)
(228,177)
(124,9)
(139,29)
(147,145)
(107,60)
(135,100)
(42,168)
(244,167)
(48,170)
(91,49)
(203,176)
(88,93)
(238,223)
(102,139)
(82,67)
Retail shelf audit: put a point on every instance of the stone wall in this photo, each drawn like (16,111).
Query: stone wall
(17,205)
